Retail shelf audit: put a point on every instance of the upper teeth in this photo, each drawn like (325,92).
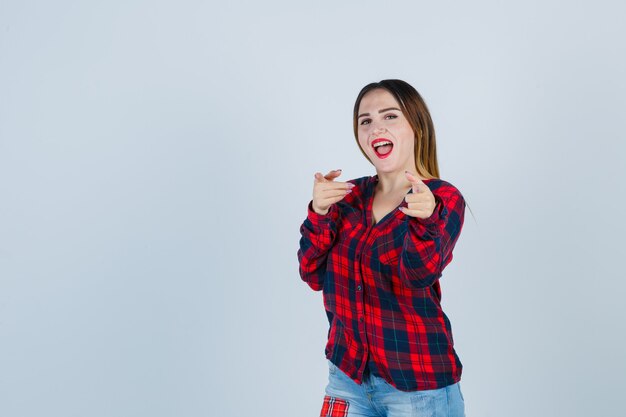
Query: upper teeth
(377,144)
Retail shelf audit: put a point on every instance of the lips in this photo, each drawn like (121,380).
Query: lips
(383,151)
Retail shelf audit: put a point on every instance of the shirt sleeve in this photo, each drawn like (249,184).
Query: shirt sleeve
(318,234)
(428,243)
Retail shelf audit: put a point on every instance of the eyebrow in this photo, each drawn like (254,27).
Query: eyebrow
(379,111)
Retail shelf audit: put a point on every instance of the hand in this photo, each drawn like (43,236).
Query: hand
(421,203)
(326,192)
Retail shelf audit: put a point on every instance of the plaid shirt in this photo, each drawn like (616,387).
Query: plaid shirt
(381,285)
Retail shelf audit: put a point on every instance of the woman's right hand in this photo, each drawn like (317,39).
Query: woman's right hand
(326,192)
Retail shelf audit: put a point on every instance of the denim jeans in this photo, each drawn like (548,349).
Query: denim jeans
(377,398)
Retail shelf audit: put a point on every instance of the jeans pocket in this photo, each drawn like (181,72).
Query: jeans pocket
(424,404)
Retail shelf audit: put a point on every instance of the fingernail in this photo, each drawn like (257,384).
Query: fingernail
(348,191)
(351,185)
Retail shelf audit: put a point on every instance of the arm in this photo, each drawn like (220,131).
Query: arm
(318,234)
(428,243)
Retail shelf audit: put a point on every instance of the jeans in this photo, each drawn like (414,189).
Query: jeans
(377,398)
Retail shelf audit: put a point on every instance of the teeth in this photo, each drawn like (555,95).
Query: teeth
(381,144)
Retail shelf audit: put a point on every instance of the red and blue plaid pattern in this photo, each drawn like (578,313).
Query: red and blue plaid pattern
(334,407)
(381,285)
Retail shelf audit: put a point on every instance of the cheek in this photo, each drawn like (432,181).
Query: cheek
(407,146)
(408,137)
(363,144)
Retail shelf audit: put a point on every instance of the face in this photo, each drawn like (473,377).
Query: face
(380,120)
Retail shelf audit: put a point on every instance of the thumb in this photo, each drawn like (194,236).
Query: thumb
(416,182)
(319,177)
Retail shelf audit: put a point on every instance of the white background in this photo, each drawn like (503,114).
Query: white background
(157,158)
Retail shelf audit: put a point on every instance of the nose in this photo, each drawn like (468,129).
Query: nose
(377,130)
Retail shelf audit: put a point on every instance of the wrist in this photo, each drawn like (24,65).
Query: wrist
(319,211)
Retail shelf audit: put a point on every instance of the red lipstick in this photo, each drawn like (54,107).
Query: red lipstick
(386,149)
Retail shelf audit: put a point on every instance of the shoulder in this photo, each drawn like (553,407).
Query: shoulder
(361,185)
(356,199)
(360,181)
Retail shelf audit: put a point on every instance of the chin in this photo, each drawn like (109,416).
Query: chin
(387,169)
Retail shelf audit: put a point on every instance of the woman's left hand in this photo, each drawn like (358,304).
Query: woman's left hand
(421,202)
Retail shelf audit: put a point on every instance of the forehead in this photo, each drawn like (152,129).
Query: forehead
(377,99)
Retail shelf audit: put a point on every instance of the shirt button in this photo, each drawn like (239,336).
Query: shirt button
(358,288)
(361,319)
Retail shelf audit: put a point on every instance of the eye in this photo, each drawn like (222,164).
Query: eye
(393,116)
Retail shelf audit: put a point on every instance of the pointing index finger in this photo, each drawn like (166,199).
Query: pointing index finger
(333,174)
(416,182)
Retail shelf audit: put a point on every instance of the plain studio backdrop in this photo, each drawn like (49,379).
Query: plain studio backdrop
(157,158)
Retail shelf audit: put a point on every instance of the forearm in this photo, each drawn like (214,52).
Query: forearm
(318,234)
(428,244)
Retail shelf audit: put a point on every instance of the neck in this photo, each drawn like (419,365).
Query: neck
(393,182)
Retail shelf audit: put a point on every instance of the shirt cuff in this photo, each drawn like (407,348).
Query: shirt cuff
(317,218)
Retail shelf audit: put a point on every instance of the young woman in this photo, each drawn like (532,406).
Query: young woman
(376,246)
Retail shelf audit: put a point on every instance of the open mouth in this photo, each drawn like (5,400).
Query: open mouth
(382,147)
